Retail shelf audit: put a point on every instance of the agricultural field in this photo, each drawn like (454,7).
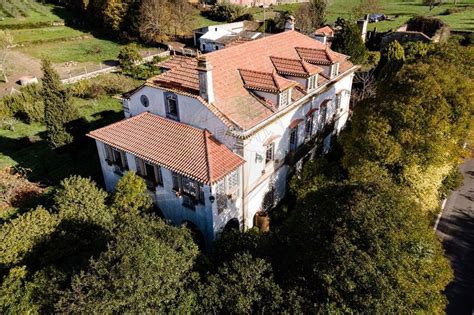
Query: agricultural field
(458,17)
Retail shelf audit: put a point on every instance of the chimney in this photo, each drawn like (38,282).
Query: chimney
(290,23)
(206,90)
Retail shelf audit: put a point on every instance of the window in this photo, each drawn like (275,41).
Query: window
(233,181)
(217,47)
(117,158)
(203,47)
(284,96)
(293,139)
(323,113)
(221,197)
(309,126)
(171,102)
(312,82)
(188,187)
(338,100)
(151,173)
(144,100)
(269,154)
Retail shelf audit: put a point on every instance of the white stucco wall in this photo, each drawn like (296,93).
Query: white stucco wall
(191,112)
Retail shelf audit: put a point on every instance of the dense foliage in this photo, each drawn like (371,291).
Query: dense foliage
(348,40)
(58,110)
(311,15)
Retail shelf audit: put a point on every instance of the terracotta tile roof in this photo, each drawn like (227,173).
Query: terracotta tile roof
(182,74)
(187,150)
(326,30)
(232,99)
(294,67)
(265,81)
(319,56)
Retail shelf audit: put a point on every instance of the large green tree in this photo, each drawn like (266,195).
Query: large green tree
(414,130)
(348,40)
(131,195)
(58,108)
(311,15)
(148,266)
(366,248)
(244,285)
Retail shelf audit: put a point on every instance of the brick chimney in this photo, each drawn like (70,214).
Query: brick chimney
(290,23)
(206,90)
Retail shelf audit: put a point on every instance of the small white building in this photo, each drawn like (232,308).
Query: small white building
(216,136)
(215,37)
(324,34)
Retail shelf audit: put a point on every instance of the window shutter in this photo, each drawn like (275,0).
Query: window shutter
(139,163)
(123,156)
(108,153)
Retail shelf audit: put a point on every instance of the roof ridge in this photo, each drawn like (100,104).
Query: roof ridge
(206,133)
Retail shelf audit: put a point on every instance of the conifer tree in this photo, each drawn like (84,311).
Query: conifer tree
(348,40)
(58,108)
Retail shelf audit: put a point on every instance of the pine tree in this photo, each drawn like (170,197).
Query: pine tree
(348,40)
(58,109)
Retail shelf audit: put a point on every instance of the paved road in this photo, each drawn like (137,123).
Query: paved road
(456,228)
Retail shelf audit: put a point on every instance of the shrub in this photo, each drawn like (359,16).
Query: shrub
(27,105)
(451,182)
(128,57)
(225,12)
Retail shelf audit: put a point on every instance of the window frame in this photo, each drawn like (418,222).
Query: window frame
(284,101)
(174,98)
(293,131)
(309,123)
(270,148)
(312,82)
(178,185)
(116,157)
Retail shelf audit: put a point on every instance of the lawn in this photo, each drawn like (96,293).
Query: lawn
(81,50)
(26,147)
(22,36)
(461,19)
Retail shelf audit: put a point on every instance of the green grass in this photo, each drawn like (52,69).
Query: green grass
(399,9)
(50,166)
(35,13)
(45,34)
(83,50)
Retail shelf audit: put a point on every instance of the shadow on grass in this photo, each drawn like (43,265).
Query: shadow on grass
(49,166)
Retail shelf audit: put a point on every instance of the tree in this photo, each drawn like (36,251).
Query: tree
(415,137)
(58,110)
(155,18)
(366,248)
(348,40)
(394,57)
(131,195)
(20,235)
(244,285)
(128,57)
(80,199)
(6,41)
(431,3)
(148,266)
(311,15)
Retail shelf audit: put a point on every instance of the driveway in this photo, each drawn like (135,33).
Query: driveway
(456,229)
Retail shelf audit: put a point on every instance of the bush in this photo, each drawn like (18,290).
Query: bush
(451,182)
(27,105)
(225,12)
(128,57)
(108,84)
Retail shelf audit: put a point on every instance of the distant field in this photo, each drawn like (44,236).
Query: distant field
(29,11)
(91,49)
(44,33)
(461,16)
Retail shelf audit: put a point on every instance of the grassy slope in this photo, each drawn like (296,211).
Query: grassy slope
(51,166)
(44,33)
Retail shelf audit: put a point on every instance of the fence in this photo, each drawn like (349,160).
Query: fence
(113,67)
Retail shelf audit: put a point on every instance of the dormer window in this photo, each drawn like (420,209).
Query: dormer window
(284,98)
(312,82)
(171,106)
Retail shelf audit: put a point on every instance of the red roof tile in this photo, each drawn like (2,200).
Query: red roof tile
(320,56)
(187,150)
(232,98)
(265,81)
(182,74)
(294,67)
(326,30)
